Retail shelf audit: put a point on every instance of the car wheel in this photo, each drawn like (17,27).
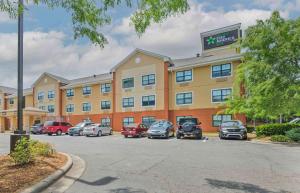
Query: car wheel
(99,134)
(111,132)
(198,136)
(245,138)
(167,135)
(125,136)
(71,134)
(140,135)
(80,133)
(58,132)
(49,134)
(149,137)
(178,136)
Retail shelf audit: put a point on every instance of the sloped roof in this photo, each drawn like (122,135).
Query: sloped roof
(89,80)
(8,90)
(205,60)
(58,78)
(138,50)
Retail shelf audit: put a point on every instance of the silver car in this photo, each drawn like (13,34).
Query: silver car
(161,129)
(97,130)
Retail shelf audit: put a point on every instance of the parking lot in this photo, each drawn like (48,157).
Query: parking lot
(116,164)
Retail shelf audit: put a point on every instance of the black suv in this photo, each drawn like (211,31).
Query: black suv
(189,127)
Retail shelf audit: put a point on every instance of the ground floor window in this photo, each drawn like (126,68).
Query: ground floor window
(218,119)
(181,117)
(148,120)
(105,121)
(51,108)
(128,120)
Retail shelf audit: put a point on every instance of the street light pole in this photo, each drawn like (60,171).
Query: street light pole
(20,68)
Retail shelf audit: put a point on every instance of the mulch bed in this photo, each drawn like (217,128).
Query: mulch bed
(16,178)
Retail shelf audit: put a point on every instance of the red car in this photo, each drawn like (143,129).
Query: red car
(56,127)
(135,130)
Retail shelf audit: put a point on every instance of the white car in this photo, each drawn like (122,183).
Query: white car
(97,130)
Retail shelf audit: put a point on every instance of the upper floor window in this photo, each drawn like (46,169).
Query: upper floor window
(148,100)
(128,120)
(51,94)
(70,92)
(70,108)
(87,90)
(148,120)
(221,95)
(42,108)
(128,83)
(86,107)
(105,121)
(218,119)
(105,104)
(41,95)
(11,101)
(128,102)
(184,98)
(183,76)
(221,70)
(106,87)
(148,79)
(51,108)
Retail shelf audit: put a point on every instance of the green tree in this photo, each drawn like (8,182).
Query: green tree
(270,70)
(88,16)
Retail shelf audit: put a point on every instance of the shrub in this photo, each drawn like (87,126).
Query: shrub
(280,138)
(250,129)
(22,154)
(294,134)
(274,129)
(41,149)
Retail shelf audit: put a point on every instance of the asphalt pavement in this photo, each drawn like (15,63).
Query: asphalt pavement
(118,165)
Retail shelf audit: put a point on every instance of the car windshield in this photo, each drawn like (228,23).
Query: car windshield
(132,125)
(189,121)
(230,123)
(158,124)
(48,123)
(80,125)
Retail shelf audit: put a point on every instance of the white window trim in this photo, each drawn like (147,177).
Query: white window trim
(214,89)
(129,87)
(231,70)
(181,70)
(150,105)
(106,83)
(53,92)
(149,84)
(183,93)
(105,101)
(67,107)
(73,92)
(128,107)
(86,111)
(86,94)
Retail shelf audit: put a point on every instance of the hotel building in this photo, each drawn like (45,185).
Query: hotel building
(143,87)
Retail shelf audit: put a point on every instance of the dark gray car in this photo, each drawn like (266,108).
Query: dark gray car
(232,129)
(161,129)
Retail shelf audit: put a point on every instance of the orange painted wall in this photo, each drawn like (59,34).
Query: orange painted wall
(96,118)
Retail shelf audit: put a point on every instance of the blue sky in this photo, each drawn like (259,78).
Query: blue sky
(49,44)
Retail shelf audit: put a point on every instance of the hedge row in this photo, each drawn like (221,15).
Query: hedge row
(275,129)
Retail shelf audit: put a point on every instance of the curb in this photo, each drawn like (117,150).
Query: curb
(40,186)
(271,142)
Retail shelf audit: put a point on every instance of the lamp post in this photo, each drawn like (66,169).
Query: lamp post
(19,133)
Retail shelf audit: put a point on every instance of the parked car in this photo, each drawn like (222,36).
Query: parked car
(37,129)
(232,129)
(189,127)
(97,130)
(295,121)
(135,130)
(161,129)
(78,129)
(56,127)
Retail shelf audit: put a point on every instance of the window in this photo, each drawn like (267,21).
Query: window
(183,76)
(42,108)
(105,104)
(181,117)
(11,101)
(128,102)
(148,120)
(87,90)
(221,95)
(41,96)
(127,121)
(184,98)
(105,121)
(148,100)
(128,83)
(70,108)
(51,108)
(86,107)
(51,94)
(148,79)
(218,119)
(105,87)
(70,92)
(221,70)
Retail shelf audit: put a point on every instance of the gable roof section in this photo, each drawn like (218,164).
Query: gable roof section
(88,80)
(137,50)
(58,78)
(8,90)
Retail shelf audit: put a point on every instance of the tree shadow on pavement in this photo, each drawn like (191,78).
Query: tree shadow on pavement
(100,182)
(245,187)
(127,190)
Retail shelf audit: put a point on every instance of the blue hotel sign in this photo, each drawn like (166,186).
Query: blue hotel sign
(221,39)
